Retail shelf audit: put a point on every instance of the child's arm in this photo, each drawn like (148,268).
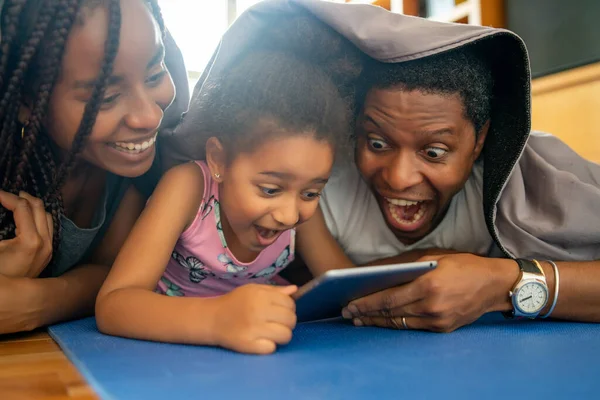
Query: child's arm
(126,304)
(253,318)
(319,250)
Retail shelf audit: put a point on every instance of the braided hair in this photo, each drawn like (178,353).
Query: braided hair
(34,37)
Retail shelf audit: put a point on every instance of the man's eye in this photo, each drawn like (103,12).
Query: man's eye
(377,144)
(435,152)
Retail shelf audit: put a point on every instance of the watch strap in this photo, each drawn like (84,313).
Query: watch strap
(529,266)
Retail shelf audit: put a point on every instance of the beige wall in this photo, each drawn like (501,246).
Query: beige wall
(567,105)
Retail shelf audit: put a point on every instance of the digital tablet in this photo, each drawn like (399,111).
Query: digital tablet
(325,296)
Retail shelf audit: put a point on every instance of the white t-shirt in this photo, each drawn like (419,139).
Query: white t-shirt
(355,220)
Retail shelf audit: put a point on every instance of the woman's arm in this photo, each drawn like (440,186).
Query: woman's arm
(27,303)
(319,250)
(30,303)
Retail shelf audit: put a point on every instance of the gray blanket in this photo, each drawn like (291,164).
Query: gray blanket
(540,198)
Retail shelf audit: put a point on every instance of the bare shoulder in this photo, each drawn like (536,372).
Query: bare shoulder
(185,180)
(179,192)
(188,173)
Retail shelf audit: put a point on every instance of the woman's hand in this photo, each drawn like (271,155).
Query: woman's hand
(255,318)
(31,250)
(461,289)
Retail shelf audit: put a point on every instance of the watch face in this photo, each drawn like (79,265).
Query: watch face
(531,297)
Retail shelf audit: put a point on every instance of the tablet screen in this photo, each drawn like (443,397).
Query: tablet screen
(325,296)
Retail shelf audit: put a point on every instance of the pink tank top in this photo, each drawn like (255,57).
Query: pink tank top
(201,264)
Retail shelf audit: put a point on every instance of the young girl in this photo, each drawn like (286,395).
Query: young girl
(201,264)
(83,85)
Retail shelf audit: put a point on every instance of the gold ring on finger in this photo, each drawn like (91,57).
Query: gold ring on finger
(403,319)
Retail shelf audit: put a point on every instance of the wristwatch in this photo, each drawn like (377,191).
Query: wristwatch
(530,294)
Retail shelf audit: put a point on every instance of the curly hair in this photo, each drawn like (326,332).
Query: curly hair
(461,71)
(297,78)
(35,34)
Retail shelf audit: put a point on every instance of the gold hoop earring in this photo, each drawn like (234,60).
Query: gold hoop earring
(23,129)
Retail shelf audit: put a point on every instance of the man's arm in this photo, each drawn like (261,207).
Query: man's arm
(579,290)
(464,287)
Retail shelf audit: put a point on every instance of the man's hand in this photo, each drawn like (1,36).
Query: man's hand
(461,289)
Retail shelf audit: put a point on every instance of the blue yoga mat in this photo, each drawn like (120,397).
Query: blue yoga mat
(491,359)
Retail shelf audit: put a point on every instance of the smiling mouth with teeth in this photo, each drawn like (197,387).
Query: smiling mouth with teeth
(134,148)
(406,212)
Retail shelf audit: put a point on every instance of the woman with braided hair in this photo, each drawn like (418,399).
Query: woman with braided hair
(84,85)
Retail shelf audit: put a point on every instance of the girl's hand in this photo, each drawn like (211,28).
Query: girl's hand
(255,318)
(31,250)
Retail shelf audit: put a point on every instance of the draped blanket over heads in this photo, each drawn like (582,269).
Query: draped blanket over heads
(540,198)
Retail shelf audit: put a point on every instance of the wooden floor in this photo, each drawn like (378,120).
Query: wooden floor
(32,366)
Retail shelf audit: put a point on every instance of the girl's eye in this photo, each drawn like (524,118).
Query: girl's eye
(435,152)
(377,144)
(312,195)
(269,191)
(156,78)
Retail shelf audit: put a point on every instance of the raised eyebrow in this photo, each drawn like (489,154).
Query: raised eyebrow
(443,131)
(370,119)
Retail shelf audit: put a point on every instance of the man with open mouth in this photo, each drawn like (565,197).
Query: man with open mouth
(445,163)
